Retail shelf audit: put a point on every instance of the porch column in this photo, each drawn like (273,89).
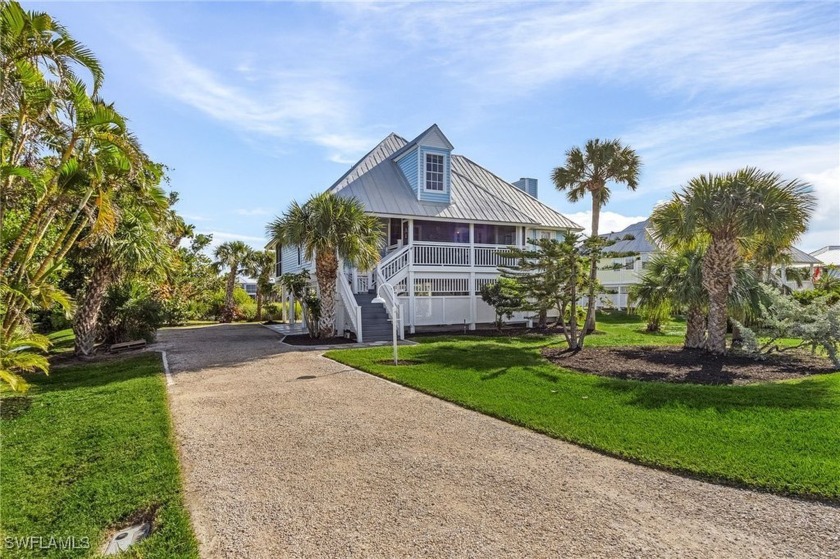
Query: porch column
(354,281)
(410,279)
(284,315)
(471,284)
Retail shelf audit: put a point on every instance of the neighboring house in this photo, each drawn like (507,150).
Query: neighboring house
(446,219)
(626,260)
(250,287)
(830,256)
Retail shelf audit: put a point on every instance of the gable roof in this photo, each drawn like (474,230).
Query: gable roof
(641,241)
(476,194)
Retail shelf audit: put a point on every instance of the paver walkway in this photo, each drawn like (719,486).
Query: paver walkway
(279,464)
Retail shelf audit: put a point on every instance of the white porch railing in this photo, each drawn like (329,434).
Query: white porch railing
(351,307)
(441,254)
(489,256)
(394,264)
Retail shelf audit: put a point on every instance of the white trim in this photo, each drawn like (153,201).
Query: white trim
(443,183)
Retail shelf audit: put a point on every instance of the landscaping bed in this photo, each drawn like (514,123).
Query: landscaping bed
(676,364)
(305,340)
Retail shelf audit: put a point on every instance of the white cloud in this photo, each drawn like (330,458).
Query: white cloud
(309,106)
(193,217)
(609,222)
(220,237)
(254,211)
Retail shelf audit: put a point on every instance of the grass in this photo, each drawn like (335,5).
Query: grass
(782,437)
(91,447)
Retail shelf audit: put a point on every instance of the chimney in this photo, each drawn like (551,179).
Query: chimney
(527,185)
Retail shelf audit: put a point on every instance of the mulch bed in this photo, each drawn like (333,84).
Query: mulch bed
(675,364)
(304,339)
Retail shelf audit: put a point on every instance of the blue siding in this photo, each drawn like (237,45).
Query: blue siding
(432,195)
(408,165)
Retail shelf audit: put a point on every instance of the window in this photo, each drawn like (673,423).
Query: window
(629,263)
(300,260)
(545,235)
(434,172)
(441,232)
(486,234)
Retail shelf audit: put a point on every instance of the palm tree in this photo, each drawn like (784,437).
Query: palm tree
(138,245)
(590,171)
(731,214)
(329,227)
(22,352)
(259,266)
(231,256)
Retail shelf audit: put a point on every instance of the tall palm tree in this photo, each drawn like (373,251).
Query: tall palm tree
(259,266)
(329,227)
(730,214)
(590,171)
(231,256)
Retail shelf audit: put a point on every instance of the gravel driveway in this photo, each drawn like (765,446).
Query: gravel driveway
(349,465)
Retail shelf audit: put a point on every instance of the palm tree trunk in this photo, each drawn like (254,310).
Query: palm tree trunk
(87,313)
(228,311)
(718,272)
(326,270)
(589,327)
(259,305)
(695,331)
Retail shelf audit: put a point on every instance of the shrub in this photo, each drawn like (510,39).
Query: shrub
(816,324)
(274,311)
(129,312)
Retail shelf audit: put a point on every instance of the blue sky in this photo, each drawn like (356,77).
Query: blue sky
(252,105)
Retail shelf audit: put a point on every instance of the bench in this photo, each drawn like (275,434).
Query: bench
(125,346)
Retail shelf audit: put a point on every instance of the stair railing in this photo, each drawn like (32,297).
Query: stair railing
(352,308)
(391,300)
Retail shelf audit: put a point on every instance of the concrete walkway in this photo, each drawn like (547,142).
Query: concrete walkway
(288,454)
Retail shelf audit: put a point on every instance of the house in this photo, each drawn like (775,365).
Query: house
(446,219)
(626,260)
(830,256)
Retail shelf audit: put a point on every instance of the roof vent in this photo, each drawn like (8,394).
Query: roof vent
(527,185)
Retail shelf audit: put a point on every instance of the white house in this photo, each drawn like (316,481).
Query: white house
(625,262)
(446,219)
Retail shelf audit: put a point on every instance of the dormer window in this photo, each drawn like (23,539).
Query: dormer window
(434,172)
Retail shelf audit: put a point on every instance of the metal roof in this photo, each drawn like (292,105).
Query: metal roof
(641,241)
(801,257)
(476,194)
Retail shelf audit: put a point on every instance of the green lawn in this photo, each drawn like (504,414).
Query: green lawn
(93,447)
(782,437)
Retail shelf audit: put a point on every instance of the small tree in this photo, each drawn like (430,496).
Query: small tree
(816,324)
(552,275)
(503,295)
(299,285)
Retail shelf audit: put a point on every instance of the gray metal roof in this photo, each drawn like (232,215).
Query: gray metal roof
(476,193)
(801,257)
(641,241)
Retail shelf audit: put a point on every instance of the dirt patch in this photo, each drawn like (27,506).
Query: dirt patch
(305,340)
(399,362)
(675,364)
